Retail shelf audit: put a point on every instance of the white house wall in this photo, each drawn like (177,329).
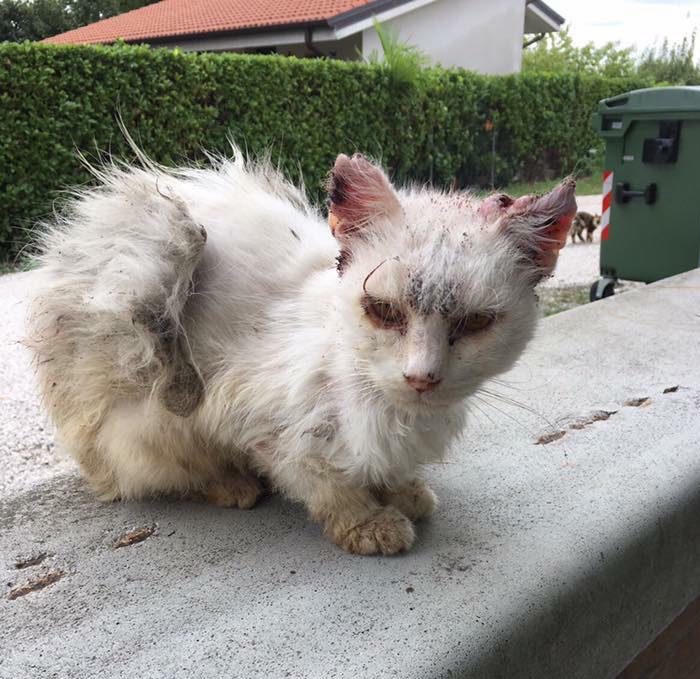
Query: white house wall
(481,35)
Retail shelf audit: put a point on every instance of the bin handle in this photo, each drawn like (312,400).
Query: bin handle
(624,193)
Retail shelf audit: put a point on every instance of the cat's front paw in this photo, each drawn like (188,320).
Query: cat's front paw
(387,531)
(414,499)
(235,490)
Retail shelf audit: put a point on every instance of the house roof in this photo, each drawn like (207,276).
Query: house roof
(170,18)
(540,18)
(547,11)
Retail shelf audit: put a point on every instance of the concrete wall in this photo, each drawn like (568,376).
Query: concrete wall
(481,36)
(556,561)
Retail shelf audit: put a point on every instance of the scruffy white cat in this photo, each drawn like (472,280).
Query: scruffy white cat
(196,329)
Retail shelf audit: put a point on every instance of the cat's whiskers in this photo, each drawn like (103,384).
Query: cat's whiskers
(480,411)
(507,400)
(485,402)
(520,386)
(503,398)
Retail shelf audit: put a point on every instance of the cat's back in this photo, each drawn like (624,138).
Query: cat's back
(265,244)
(136,257)
(262,231)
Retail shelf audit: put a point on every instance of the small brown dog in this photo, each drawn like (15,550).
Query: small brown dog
(584,221)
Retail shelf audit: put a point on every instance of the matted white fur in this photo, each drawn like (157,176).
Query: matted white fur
(193,322)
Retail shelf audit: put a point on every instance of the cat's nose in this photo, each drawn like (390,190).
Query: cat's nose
(422,383)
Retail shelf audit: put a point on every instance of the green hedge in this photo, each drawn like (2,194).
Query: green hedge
(57,100)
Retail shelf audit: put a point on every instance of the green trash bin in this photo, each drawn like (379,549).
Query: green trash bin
(650,223)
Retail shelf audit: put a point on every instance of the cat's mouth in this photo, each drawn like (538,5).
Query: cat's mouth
(423,400)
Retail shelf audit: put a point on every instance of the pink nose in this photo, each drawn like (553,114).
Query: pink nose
(422,383)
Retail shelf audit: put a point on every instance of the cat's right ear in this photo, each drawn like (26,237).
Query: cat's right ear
(359,193)
(538,224)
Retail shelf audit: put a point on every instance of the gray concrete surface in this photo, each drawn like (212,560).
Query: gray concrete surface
(559,560)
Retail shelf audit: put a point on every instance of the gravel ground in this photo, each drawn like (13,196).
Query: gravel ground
(27,450)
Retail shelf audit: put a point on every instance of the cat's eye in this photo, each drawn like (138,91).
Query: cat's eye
(384,314)
(470,324)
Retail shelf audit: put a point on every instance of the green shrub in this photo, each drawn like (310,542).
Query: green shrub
(55,101)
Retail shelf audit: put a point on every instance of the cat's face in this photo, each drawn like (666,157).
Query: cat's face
(436,290)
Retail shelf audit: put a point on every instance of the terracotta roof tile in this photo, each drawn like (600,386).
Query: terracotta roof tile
(191,17)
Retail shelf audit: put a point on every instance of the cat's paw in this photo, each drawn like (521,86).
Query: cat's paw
(238,490)
(415,499)
(387,531)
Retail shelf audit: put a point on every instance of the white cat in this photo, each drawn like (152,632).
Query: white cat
(197,329)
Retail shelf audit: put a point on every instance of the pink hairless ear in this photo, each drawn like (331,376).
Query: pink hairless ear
(539,224)
(359,192)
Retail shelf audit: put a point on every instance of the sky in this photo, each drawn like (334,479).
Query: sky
(640,23)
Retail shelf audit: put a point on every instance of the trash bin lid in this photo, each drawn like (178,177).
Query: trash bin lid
(654,100)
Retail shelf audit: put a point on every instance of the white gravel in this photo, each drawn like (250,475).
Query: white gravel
(27,452)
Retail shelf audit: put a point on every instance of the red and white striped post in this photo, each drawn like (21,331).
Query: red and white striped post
(607,202)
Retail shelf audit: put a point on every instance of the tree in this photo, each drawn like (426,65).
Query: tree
(671,64)
(556,53)
(38,19)
(21,20)
(668,64)
(87,11)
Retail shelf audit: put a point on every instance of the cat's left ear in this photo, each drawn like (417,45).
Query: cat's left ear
(359,193)
(539,224)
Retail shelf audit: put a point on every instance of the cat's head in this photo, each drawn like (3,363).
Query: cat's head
(437,290)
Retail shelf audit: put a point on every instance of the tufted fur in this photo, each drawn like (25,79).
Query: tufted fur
(192,330)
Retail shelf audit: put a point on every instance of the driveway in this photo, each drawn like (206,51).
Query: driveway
(578,262)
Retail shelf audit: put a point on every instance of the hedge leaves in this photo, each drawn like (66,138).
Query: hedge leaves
(57,100)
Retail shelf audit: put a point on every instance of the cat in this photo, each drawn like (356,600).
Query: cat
(198,330)
(584,221)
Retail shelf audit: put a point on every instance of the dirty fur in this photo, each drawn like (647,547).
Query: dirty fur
(193,331)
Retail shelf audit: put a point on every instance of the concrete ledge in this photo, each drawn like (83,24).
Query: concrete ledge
(674,653)
(559,559)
